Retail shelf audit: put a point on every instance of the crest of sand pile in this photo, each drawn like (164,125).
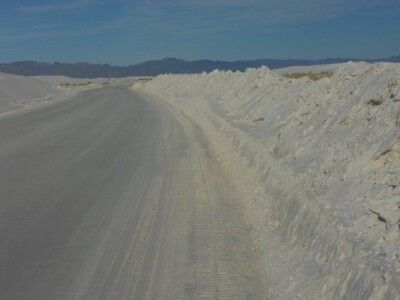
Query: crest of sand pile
(318,163)
(15,90)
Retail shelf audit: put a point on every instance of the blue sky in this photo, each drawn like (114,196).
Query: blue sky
(124,32)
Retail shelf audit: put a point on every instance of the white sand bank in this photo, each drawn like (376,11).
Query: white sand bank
(318,166)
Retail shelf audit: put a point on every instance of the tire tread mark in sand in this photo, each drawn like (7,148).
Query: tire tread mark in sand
(159,223)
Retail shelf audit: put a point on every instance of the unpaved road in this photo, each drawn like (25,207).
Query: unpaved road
(112,195)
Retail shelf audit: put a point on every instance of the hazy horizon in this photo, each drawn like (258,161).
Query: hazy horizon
(191,60)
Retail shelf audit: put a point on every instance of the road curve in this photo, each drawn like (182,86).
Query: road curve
(113,195)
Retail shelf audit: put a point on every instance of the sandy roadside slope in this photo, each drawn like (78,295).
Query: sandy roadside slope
(319,166)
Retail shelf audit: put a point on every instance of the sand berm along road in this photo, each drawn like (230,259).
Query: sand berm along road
(113,195)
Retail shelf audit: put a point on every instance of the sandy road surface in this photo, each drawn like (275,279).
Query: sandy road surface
(111,195)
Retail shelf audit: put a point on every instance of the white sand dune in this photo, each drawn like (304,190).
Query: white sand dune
(15,90)
(22,91)
(319,166)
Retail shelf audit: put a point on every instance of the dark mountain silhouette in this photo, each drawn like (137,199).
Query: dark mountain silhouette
(156,67)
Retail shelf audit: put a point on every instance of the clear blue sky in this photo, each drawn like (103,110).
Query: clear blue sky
(124,32)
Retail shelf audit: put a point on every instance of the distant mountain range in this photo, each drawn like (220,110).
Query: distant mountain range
(166,65)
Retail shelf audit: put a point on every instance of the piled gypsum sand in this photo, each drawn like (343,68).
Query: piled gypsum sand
(331,158)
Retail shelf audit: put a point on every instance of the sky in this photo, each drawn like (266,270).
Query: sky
(122,32)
